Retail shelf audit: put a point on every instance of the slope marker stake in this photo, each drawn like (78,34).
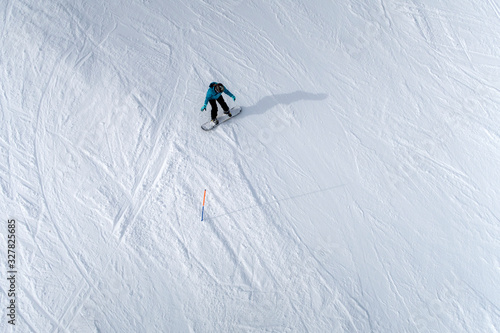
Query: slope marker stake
(203,206)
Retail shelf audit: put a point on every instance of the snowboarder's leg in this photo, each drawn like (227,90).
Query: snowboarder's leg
(222,103)
(213,104)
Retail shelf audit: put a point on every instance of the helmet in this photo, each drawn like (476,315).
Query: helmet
(219,87)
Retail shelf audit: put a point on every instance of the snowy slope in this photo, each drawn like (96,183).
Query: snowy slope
(357,192)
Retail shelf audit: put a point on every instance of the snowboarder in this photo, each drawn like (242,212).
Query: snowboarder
(214,95)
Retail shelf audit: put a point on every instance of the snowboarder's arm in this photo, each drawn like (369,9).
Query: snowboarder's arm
(227,92)
(207,98)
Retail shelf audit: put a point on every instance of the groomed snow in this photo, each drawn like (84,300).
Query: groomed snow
(358,191)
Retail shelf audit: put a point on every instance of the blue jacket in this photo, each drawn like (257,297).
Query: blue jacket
(211,94)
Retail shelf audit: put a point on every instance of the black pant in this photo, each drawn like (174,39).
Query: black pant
(222,103)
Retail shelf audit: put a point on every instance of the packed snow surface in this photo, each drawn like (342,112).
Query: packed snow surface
(358,191)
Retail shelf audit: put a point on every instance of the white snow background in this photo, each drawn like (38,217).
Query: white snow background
(358,191)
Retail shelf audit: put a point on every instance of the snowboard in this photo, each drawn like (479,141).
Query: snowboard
(209,125)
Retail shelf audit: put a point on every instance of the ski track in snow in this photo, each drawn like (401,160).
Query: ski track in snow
(357,191)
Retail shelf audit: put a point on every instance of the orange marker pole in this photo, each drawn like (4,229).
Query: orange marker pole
(203,207)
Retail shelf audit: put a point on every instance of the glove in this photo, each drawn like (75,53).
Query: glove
(203,108)
(234,98)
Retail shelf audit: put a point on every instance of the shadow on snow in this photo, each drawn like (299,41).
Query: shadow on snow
(269,102)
